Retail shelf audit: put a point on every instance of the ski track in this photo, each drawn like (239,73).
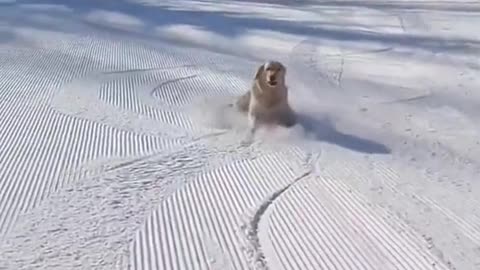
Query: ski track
(72,110)
(467,220)
(99,215)
(408,206)
(104,166)
(256,256)
(331,227)
(33,163)
(182,222)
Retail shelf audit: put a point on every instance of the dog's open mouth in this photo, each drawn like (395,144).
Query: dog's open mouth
(272,83)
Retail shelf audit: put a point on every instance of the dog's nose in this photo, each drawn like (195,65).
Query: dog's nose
(271,77)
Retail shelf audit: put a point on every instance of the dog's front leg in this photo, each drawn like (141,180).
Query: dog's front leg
(243,102)
(250,133)
(252,126)
(252,123)
(252,114)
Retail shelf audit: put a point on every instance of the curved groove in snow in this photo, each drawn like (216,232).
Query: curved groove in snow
(324,224)
(203,217)
(256,256)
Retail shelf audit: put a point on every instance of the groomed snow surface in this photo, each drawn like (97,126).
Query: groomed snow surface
(118,149)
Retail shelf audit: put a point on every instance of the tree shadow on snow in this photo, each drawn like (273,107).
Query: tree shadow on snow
(6,36)
(322,129)
(230,24)
(449,6)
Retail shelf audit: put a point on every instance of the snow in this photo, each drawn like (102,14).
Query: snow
(118,149)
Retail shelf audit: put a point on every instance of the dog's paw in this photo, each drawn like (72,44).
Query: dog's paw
(290,122)
(247,141)
(248,137)
(288,119)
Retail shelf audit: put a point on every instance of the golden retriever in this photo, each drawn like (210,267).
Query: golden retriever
(267,100)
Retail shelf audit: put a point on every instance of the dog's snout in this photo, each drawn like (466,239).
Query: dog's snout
(271,78)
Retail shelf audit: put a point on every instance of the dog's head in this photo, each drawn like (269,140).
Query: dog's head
(272,73)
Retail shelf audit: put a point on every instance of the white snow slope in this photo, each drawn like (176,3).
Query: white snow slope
(118,149)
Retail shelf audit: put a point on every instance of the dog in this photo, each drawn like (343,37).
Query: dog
(267,100)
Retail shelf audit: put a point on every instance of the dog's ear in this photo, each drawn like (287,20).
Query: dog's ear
(283,67)
(259,72)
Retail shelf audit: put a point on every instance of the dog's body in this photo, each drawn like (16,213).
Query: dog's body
(267,100)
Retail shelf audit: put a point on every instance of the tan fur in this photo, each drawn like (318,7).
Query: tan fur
(267,103)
